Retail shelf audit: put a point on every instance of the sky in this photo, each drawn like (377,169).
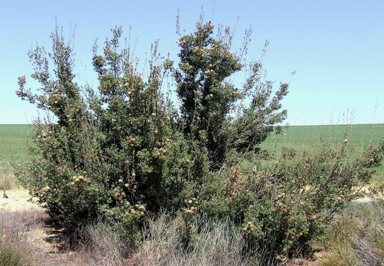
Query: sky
(336,47)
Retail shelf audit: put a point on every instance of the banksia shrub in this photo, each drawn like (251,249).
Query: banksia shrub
(123,150)
(111,161)
(285,205)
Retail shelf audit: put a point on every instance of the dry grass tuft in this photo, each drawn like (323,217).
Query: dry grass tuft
(19,238)
(215,243)
(357,238)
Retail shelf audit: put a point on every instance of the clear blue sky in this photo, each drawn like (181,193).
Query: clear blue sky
(336,47)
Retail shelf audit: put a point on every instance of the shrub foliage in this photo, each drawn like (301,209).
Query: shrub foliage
(125,150)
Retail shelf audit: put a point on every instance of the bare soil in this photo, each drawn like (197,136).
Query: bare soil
(18,200)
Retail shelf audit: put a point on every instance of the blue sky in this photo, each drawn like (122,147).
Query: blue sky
(336,47)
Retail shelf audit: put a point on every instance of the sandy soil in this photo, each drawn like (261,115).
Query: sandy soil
(18,200)
(45,238)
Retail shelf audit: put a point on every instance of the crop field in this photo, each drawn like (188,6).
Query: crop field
(13,140)
(296,136)
(13,144)
(304,138)
(13,148)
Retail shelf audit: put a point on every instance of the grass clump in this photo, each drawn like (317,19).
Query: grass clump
(357,238)
(103,243)
(215,242)
(13,255)
(342,243)
(17,237)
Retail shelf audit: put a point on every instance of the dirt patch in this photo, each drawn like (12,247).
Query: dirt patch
(18,200)
(22,220)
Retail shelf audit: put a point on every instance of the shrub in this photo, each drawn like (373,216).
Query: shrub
(125,151)
(208,98)
(95,161)
(291,201)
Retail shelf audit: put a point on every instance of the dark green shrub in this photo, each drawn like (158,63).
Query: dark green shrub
(124,150)
(109,161)
(208,98)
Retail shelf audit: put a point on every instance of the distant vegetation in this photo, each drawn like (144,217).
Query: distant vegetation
(304,138)
(13,144)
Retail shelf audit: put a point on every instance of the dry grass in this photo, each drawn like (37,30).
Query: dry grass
(357,238)
(215,243)
(10,180)
(102,244)
(18,235)
(34,236)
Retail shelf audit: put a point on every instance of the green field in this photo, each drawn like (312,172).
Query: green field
(358,135)
(306,137)
(13,144)
(13,140)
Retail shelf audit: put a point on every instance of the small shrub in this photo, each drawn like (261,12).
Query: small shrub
(290,202)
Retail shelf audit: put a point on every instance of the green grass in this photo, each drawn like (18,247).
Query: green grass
(305,137)
(297,136)
(13,144)
(13,148)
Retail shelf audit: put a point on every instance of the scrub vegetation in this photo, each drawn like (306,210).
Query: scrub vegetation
(187,182)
